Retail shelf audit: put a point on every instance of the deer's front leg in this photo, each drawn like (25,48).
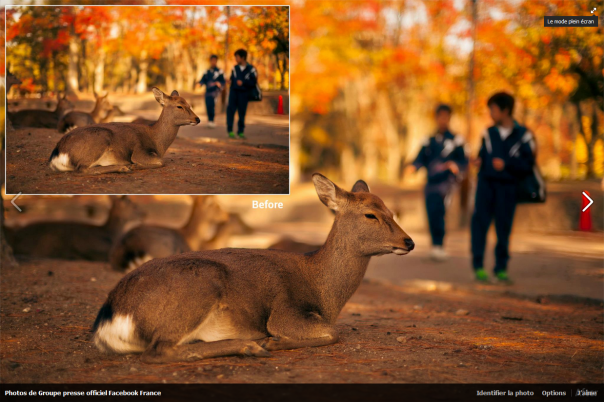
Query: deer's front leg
(291,330)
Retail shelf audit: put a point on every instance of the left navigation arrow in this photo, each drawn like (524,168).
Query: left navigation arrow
(15,199)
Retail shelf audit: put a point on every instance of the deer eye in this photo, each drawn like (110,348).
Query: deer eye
(371,216)
(180,107)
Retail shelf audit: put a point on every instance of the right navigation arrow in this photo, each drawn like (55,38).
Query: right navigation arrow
(590,201)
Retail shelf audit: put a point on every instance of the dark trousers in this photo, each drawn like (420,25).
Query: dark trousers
(497,200)
(211,106)
(237,103)
(435,206)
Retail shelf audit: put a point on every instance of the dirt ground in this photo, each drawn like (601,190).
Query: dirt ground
(389,334)
(200,161)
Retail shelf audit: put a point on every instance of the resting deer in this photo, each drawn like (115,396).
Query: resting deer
(72,240)
(76,118)
(41,118)
(246,301)
(118,147)
(11,80)
(207,228)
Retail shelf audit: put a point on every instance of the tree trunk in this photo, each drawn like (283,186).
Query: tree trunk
(267,71)
(295,147)
(573,155)
(283,71)
(464,196)
(143,65)
(591,170)
(589,163)
(72,70)
(99,71)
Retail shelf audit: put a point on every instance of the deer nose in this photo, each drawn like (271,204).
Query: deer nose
(197,120)
(409,244)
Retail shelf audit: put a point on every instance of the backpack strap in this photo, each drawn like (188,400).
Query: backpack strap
(527,137)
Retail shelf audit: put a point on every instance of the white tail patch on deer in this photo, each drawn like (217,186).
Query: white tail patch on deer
(138,261)
(118,335)
(61,163)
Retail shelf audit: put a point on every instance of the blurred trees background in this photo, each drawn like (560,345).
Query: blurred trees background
(367,76)
(128,49)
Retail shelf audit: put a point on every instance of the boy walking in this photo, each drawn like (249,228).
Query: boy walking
(444,158)
(243,80)
(214,81)
(506,156)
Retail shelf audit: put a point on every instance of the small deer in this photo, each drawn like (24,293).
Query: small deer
(207,228)
(41,118)
(247,301)
(72,240)
(120,147)
(75,118)
(11,80)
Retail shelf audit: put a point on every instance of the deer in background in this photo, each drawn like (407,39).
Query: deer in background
(249,301)
(208,227)
(41,118)
(72,240)
(74,119)
(120,147)
(11,80)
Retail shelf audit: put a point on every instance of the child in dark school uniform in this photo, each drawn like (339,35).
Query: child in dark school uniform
(505,157)
(445,160)
(243,79)
(214,81)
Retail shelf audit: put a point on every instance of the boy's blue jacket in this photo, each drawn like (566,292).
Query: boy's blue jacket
(434,153)
(517,152)
(211,76)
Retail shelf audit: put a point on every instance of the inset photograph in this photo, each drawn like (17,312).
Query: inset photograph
(147,100)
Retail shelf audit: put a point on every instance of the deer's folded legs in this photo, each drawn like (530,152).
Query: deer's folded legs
(142,160)
(290,330)
(281,343)
(166,352)
(104,169)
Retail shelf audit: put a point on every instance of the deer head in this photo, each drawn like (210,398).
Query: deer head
(177,110)
(102,104)
(363,218)
(64,105)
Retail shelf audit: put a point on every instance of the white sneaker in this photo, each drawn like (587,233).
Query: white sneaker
(211,124)
(438,254)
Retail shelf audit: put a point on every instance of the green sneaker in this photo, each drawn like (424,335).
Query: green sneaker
(502,277)
(481,275)
(241,136)
(231,134)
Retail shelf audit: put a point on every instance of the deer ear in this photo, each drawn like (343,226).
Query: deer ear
(360,187)
(174,93)
(95,94)
(328,193)
(159,96)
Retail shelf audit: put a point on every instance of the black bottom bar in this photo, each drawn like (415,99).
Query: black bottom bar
(300,392)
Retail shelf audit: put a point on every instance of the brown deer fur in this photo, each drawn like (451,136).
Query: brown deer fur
(246,301)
